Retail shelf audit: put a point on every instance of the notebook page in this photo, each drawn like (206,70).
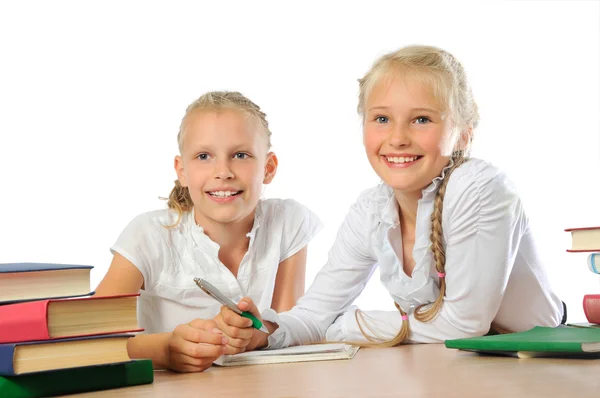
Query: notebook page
(297,350)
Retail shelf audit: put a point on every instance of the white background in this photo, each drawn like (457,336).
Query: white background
(92,93)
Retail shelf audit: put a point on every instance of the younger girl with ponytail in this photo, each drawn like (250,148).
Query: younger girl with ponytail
(217,228)
(448,232)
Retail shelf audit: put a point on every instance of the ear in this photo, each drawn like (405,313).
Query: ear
(180,171)
(464,140)
(270,168)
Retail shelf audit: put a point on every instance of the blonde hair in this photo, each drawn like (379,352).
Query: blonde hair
(179,198)
(449,83)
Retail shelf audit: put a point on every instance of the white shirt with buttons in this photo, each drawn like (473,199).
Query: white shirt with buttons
(493,270)
(169,259)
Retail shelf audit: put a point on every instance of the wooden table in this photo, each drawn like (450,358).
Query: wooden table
(406,371)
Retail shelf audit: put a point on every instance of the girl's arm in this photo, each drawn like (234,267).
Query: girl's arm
(290,281)
(486,225)
(122,278)
(336,286)
(339,282)
(178,350)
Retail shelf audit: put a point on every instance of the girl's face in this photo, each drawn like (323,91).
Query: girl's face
(224,163)
(407,136)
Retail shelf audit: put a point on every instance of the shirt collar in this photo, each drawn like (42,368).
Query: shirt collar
(390,211)
(433,187)
(197,229)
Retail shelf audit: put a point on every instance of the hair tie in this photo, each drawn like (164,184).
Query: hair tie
(404,317)
(441,274)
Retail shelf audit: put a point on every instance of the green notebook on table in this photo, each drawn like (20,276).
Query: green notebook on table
(563,341)
(77,380)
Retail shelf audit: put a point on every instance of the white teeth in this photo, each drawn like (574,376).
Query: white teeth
(401,159)
(223,194)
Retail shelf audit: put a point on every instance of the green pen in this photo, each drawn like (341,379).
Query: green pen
(221,298)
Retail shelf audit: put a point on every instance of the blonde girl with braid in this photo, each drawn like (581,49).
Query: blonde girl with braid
(449,233)
(218,228)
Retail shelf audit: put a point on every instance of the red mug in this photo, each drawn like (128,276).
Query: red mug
(591,307)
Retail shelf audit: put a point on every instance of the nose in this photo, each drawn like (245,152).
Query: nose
(399,136)
(223,171)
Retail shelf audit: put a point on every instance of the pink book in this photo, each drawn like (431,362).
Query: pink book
(68,318)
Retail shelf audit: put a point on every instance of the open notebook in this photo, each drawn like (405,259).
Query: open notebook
(302,353)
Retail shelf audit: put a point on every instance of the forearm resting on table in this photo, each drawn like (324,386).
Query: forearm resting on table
(150,346)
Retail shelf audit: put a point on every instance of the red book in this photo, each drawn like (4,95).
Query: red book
(68,318)
(584,239)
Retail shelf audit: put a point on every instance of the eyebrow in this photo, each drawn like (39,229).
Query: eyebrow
(242,148)
(234,148)
(412,109)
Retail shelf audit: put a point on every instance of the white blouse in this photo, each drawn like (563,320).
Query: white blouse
(493,271)
(169,259)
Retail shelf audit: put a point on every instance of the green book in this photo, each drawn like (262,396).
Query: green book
(77,380)
(540,341)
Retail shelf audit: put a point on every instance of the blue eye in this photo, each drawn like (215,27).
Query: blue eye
(202,156)
(382,119)
(422,120)
(241,155)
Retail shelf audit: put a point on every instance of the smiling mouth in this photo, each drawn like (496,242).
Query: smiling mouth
(224,194)
(402,159)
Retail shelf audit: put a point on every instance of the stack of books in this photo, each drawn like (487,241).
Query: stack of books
(587,240)
(57,338)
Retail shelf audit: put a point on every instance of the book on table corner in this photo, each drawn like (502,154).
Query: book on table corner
(66,318)
(302,353)
(586,239)
(77,380)
(40,356)
(36,281)
(561,341)
(583,325)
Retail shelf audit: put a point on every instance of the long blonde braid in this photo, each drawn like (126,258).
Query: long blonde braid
(437,243)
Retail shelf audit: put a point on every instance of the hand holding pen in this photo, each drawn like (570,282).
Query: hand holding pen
(237,322)
(194,346)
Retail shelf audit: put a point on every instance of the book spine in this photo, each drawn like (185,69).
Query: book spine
(78,380)
(24,322)
(7,353)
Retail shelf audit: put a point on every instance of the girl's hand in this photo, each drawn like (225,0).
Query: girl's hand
(237,328)
(194,346)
